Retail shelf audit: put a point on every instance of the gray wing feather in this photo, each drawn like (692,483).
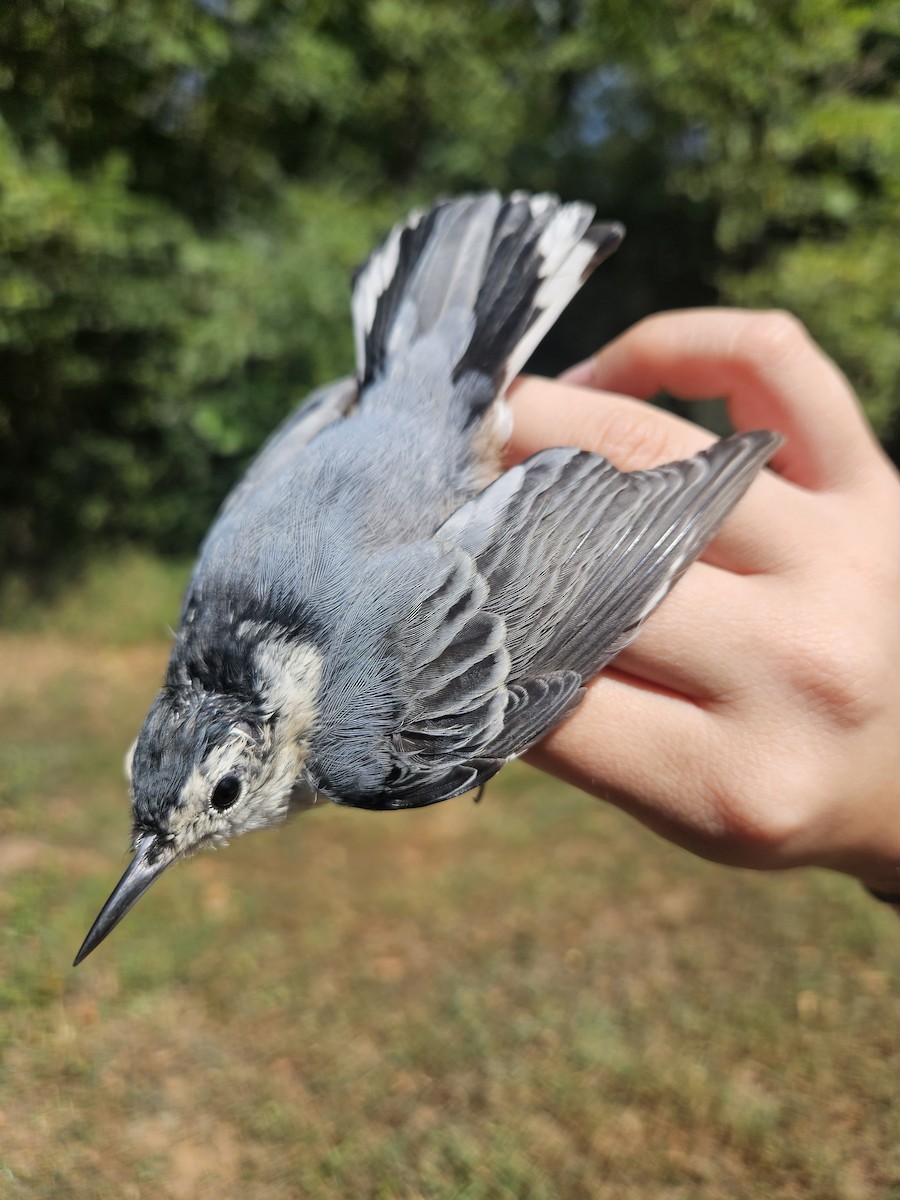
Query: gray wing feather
(533,708)
(483,636)
(577,554)
(415,685)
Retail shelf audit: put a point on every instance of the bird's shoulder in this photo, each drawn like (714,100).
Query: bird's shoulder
(417,703)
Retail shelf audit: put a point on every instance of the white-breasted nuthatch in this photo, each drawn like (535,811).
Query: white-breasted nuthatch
(377,615)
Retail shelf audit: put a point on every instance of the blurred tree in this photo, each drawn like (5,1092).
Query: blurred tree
(185,187)
(784,117)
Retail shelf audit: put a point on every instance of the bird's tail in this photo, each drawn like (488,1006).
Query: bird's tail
(488,276)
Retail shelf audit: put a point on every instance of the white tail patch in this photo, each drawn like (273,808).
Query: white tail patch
(371,284)
(483,278)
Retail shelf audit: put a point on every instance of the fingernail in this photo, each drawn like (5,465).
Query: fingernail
(581,375)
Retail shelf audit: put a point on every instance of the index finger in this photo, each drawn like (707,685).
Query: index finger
(633,436)
(770,373)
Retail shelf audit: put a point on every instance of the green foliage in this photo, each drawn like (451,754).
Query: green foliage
(185,188)
(788,117)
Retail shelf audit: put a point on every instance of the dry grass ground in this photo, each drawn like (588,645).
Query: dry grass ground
(528,999)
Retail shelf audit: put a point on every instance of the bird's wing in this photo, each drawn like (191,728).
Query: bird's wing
(414,684)
(470,647)
(578,554)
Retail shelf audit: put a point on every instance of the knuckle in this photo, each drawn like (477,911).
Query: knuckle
(771,334)
(649,325)
(635,436)
(840,678)
(764,812)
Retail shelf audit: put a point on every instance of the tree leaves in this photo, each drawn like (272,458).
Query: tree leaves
(185,188)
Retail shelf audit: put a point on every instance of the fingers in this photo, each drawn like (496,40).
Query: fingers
(676,767)
(613,745)
(695,643)
(771,374)
(634,435)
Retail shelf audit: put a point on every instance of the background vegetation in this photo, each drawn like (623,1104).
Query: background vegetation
(185,186)
(533,999)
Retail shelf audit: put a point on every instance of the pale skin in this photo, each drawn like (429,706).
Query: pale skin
(756,719)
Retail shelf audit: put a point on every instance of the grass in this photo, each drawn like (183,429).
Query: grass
(532,998)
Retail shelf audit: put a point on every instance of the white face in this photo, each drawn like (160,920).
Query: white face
(254,776)
(241,785)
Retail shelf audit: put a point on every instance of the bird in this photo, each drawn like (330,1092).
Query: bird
(382,616)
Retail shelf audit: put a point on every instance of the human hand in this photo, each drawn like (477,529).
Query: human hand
(756,718)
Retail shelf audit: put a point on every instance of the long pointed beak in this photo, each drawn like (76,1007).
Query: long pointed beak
(149,862)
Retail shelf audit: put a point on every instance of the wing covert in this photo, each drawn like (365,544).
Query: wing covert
(578,554)
(415,686)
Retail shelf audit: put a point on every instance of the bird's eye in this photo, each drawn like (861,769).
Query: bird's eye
(226,792)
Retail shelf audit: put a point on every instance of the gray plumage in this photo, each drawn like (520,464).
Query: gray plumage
(378,615)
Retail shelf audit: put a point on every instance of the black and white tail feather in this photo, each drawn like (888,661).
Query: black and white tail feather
(535,583)
(509,267)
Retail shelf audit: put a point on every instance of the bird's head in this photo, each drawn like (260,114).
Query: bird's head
(210,765)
